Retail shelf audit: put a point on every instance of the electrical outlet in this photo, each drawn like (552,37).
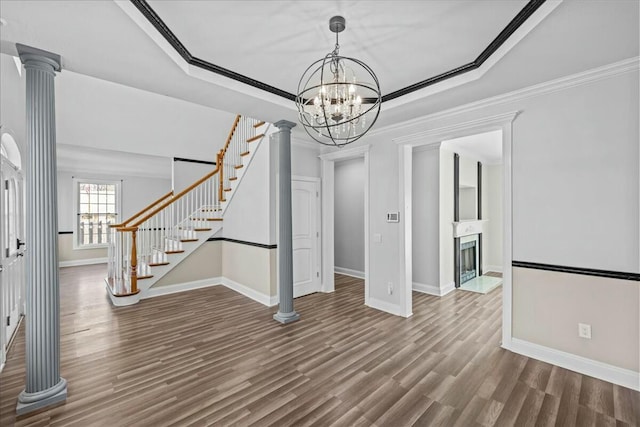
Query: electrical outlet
(390,288)
(584,331)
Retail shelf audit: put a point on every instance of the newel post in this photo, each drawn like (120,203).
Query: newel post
(134,262)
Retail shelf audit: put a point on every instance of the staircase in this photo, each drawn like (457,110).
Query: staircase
(148,245)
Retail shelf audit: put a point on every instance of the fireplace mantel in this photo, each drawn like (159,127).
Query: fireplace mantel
(468,227)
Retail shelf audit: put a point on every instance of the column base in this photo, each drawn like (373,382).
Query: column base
(286,317)
(29,402)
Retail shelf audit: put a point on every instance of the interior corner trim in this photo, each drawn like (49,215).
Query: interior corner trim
(579,270)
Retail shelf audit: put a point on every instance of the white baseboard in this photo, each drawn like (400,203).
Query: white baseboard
(349,272)
(263,299)
(494,268)
(449,287)
(593,368)
(433,289)
(387,307)
(88,261)
(156,291)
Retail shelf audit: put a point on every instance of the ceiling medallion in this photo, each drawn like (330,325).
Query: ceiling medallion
(338,97)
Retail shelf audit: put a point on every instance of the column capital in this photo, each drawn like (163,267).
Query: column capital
(284,125)
(38,58)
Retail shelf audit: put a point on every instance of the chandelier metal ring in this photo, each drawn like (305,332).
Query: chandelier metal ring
(335,106)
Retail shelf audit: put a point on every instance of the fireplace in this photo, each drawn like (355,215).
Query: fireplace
(468,269)
(468,255)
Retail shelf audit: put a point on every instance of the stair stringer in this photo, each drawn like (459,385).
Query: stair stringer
(267,131)
(158,272)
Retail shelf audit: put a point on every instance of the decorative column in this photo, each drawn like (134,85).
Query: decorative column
(286,313)
(44,385)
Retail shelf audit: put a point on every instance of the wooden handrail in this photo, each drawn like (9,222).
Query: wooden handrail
(122,224)
(221,158)
(231,132)
(192,186)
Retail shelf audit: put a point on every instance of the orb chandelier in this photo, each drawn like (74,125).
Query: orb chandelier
(338,97)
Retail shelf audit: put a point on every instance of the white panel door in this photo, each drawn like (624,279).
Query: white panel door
(12,278)
(306,237)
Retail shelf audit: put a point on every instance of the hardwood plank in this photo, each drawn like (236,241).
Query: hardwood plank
(213,357)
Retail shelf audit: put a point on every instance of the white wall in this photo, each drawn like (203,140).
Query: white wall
(446,218)
(137,192)
(492,211)
(248,216)
(349,215)
(425,219)
(304,160)
(186,173)
(12,102)
(575,166)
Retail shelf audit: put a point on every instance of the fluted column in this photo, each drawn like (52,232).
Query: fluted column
(286,313)
(44,386)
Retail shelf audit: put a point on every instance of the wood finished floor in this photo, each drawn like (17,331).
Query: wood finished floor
(214,357)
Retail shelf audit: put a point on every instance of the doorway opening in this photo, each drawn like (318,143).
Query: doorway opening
(336,168)
(431,140)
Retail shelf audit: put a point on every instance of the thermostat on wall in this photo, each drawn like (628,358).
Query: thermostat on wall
(393,217)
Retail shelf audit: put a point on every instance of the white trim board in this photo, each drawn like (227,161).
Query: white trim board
(156,291)
(263,299)
(492,268)
(349,272)
(433,289)
(78,262)
(582,365)
(387,307)
(327,168)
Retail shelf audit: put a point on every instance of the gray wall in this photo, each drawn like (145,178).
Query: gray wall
(349,215)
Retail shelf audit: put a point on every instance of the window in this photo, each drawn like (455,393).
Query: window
(97,206)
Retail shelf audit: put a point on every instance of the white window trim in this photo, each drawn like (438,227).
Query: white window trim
(76,208)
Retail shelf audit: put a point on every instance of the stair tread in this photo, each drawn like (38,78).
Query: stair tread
(233,178)
(173,252)
(149,276)
(206,219)
(155,264)
(246,153)
(238,166)
(255,138)
(189,240)
(260,123)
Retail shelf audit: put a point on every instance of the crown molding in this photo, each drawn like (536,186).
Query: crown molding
(526,20)
(346,153)
(585,77)
(437,135)
(534,12)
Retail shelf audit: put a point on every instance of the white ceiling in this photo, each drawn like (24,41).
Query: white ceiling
(271,40)
(275,41)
